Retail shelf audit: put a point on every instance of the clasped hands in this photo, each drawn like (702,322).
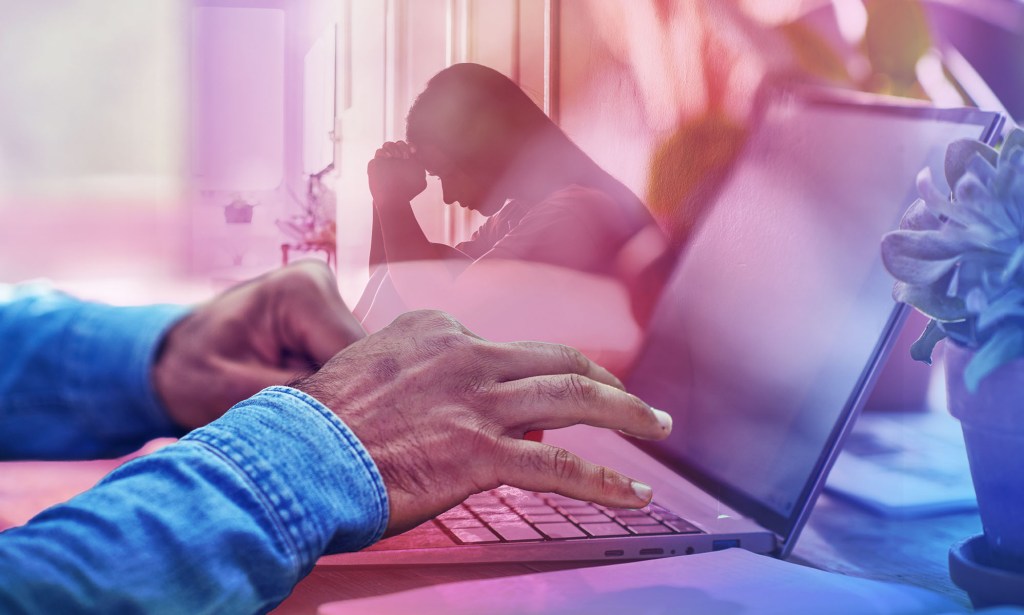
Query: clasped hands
(441,411)
(395,175)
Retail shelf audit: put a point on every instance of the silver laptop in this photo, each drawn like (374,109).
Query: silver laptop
(763,347)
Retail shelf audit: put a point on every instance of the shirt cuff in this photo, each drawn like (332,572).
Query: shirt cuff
(314,476)
(111,351)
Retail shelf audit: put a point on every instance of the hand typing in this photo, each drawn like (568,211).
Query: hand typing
(443,412)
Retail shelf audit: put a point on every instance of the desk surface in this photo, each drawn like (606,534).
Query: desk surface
(839,537)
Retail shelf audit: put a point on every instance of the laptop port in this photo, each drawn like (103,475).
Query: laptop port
(652,551)
(718,545)
(614,553)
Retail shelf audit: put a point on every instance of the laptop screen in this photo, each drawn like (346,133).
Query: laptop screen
(779,306)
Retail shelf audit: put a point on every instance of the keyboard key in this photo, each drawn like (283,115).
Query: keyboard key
(629,512)
(490,509)
(605,529)
(492,518)
(590,518)
(461,523)
(560,531)
(632,519)
(525,500)
(638,521)
(534,510)
(649,529)
(680,525)
(516,532)
(474,535)
(577,507)
(552,518)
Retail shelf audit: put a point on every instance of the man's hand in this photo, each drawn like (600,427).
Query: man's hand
(443,412)
(267,331)
(395,176)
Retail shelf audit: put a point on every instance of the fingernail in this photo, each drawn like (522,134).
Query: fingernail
(642,491)
(664,419)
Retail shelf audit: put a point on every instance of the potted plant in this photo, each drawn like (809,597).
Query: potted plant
(959,259)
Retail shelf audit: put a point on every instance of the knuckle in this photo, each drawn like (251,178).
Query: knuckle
(564,464)
(575,360)
(579,388)
(424,319)
(480,444)
(302,277)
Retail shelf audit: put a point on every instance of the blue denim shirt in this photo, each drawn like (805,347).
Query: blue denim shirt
(226,520)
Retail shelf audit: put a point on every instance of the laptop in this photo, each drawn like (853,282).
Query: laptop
(763,347)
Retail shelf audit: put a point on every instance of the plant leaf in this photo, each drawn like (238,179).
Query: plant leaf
(921,350)
(930,300)
(1013,266)
(1012,141)
(1011,304)
(919,218)
(961,151)
(920,257)
(979,167)
(999,350)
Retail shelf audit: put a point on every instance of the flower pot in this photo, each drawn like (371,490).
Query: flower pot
(992,419)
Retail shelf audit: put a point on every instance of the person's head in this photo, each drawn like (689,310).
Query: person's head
(472,128)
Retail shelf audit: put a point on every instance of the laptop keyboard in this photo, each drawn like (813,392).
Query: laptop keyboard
(512,515)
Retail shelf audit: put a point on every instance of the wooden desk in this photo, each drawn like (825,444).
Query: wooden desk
(839,538)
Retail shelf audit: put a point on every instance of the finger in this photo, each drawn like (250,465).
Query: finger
(381,153)
(526,359)
(327,328)
(553,402)
(392,149)
(539,467)
(317,322)
(403,149)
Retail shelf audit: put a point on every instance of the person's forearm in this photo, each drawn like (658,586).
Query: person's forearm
(378,256)
(226,520)
(404,240)
(75,379)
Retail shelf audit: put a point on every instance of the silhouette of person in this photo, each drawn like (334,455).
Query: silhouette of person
(546,202)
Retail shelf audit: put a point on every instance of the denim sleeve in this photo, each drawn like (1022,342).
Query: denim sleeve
(226,520)
(75,376)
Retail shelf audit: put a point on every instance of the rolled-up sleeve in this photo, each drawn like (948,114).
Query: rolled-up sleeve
(228,519)
(75,378)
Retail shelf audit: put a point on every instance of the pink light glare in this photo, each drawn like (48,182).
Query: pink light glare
(515,300)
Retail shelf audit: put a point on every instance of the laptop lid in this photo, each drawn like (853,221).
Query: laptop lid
(768,333)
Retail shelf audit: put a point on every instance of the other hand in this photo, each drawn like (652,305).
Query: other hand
(443,413)
(395,175)
(264,332)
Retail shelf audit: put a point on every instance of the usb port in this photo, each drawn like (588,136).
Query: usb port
(718,545)
(652,551)
(614,553)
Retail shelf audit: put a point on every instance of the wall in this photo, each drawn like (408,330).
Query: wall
(91,144)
